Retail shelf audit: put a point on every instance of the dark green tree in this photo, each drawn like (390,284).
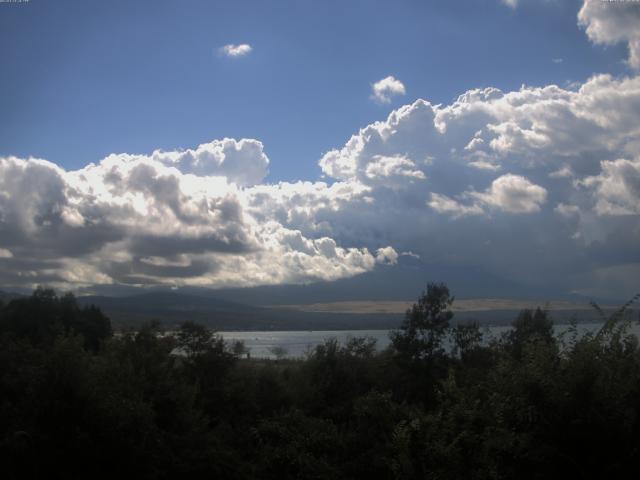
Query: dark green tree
(207,362)
(529,327)
(44,315)
(425,325)
(418,345)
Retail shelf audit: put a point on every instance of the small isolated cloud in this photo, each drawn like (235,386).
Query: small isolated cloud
(556,60)
(510,3)
(388,87)
(232,50)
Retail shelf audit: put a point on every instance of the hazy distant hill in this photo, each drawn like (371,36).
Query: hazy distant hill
(6,297)
(402,282)
(269,307)
(172,308)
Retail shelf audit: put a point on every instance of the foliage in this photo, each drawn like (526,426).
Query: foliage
(531,326)
(43,316)
(441,402)
(425,325)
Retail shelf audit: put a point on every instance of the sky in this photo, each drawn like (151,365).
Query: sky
(211,143)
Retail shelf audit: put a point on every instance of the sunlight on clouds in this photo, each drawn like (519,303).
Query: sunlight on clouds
(485,180)
(513,194)
(384,168)
(609,23)
(616,188)
(141,220)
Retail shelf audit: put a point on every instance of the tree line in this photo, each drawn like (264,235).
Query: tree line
(77,401)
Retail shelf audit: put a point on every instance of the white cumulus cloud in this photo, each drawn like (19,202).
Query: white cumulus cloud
(383,90)
(446,205)
(616,188)
(521,171)
(610,22)
(514,194)
(242,162)
(171,218)
(233,50)
(539,185)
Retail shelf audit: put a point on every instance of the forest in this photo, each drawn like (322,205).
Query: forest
(78,400)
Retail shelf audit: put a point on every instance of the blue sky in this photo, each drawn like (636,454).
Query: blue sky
(83,79)
(166,162)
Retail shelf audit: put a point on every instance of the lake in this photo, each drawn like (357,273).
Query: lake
(298,343)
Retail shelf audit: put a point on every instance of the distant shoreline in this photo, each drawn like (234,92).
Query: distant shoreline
(465,305)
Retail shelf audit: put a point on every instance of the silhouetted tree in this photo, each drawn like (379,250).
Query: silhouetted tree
(530,326)
(43,316)
(425,325)
(207,361)
(466,337)
(195,339)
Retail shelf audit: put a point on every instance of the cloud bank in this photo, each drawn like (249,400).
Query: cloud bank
(539,185)
(173,218)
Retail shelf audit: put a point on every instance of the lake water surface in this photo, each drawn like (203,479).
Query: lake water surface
(298,343)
